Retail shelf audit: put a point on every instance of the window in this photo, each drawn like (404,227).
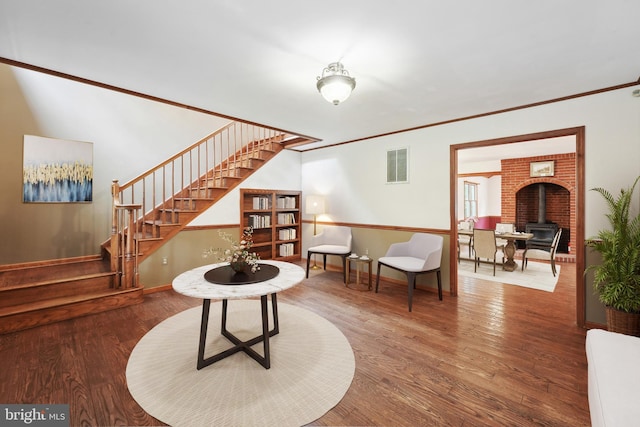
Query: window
(398,165)
(470,199)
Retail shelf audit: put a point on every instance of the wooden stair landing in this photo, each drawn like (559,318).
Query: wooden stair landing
(43,294)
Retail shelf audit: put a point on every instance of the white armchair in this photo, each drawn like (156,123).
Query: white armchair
(421,254)
(334,240)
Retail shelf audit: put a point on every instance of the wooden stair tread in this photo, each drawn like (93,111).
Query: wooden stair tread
(223,188)
(178,210)
(62,301)
(55,281)
(189,199)
(49,272)
(149,239)
(161,223)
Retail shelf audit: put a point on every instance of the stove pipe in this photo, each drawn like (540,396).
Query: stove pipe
(542,204)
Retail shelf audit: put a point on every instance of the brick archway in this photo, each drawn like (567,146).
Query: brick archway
(556,209)
(561,208)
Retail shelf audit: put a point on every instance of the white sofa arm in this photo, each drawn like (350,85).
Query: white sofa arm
(614,378)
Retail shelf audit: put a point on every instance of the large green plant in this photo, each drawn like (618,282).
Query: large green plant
(617,279)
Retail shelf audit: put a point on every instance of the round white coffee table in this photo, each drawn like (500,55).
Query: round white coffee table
(193,283)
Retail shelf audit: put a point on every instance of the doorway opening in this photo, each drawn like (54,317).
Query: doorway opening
(578,133)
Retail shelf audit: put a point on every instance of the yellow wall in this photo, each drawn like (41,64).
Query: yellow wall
(184,252)
(34,231)
(129,135)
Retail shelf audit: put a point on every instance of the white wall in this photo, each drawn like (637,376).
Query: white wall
(353,178)
(352,175)
(489,195)
(491,202)
(129,135)
(123,128)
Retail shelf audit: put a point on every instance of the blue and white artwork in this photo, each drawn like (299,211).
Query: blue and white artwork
(57,171)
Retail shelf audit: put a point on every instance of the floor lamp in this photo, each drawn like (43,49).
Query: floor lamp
(315,206)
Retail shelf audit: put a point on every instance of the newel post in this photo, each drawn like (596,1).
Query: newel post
(115,197)
(129,260)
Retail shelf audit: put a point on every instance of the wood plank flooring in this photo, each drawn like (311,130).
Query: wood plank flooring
(497,355)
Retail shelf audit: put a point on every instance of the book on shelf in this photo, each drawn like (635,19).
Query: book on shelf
(286,218)
(276,216)
(261,202)
(260,221)
(287,234)
(286,202)
(286,249)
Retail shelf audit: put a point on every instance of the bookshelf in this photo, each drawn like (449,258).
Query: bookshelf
(275,218)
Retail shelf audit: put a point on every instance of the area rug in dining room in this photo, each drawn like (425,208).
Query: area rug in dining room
(312,366)
(537,275)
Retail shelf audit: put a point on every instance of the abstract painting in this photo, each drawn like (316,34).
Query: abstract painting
(57,171)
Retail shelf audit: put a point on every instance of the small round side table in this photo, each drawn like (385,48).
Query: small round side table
(360,265)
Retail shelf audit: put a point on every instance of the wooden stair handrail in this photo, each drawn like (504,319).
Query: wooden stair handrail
(157,197)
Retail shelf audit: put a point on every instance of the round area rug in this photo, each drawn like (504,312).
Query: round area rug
(312,366)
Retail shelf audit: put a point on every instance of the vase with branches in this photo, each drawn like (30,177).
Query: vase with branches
(238,255)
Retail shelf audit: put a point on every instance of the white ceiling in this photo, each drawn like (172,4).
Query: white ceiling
(472,158)
(415,62)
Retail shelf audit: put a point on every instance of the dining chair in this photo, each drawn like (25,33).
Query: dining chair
(464,239)
(484,247)
(334,240)
(421,254)
(543,252)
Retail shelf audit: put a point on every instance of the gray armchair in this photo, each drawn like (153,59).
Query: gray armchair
(421,254)
(333,240)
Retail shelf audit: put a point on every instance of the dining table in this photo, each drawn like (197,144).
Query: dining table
(509,248)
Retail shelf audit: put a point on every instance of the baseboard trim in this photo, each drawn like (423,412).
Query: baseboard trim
(155,289)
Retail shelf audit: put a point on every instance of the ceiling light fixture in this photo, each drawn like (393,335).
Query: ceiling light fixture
(335,85)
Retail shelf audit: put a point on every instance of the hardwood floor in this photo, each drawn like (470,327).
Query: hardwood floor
(495,355)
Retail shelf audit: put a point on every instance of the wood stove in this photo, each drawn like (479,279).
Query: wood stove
(531,215)
(543,231)
(543,234)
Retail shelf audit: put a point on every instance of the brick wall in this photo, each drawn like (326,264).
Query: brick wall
(520,196)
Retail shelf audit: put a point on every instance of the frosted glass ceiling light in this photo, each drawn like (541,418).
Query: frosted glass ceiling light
(335,85)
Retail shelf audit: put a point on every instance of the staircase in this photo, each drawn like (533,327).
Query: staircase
(34,295)
(147,212)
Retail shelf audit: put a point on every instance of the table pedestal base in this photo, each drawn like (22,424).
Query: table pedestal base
(239,345)
(510,251)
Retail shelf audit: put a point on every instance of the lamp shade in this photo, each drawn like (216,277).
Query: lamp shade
(315,205)
(335,85)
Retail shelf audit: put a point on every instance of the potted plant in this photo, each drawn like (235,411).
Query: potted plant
(617,278)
